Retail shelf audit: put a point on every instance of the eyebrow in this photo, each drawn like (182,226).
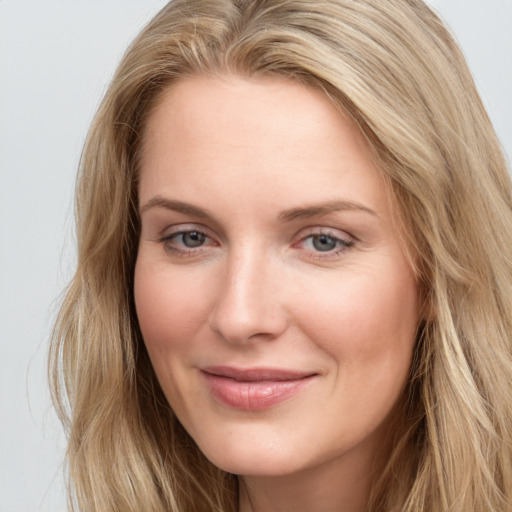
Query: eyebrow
(322,209)
(285,216)
(175,206)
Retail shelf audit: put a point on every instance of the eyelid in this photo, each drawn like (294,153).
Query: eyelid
(346,241)
(178,250)
(325,230)
(185,227)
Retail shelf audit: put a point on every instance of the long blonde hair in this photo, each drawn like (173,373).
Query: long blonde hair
(395,69)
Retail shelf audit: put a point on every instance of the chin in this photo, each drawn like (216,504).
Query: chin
(270,458)
(256,466)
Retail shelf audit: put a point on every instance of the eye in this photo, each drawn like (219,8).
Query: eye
(325,244)
(186,242)
(191,239)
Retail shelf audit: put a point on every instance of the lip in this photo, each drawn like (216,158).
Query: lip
(254,389)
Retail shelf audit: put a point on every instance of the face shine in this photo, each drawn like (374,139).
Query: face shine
(269,250)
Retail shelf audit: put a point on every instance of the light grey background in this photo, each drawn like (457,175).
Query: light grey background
(56,58)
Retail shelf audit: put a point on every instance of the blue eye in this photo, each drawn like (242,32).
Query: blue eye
(191,239)
(325,243)
(186,243)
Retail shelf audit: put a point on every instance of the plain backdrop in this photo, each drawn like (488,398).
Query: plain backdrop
(56,59)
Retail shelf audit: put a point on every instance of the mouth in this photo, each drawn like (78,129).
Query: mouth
(254,389)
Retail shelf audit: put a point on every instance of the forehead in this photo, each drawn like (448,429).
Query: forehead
(247,109)
(270,125)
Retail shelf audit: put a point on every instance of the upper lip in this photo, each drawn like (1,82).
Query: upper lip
(256,374)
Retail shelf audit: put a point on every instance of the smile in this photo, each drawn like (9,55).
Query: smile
(254,389)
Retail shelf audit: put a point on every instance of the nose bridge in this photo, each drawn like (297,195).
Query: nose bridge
(248,302)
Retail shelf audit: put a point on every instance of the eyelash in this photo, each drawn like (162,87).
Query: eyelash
(341,244)
(183,251)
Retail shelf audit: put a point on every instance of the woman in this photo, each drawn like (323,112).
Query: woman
(293,288)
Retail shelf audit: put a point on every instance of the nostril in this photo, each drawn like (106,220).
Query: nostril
(248,325)
(247,307)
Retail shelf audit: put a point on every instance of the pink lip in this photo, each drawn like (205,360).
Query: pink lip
(254,389)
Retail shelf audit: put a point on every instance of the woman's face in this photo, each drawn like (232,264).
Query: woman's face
(275,299)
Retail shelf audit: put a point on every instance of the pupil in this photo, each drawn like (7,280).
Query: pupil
(324,243)
(193,239)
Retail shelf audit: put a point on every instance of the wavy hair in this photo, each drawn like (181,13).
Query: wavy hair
(395,69)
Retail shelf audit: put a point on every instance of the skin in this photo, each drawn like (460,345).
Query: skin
(259,287)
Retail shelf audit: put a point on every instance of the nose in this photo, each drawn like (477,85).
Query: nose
(248,304)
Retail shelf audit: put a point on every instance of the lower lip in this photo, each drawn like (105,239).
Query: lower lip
(253,395)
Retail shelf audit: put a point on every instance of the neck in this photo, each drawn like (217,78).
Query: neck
(287,494)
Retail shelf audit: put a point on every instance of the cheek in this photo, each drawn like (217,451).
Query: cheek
(170,308)
(366,322)
(170,312)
